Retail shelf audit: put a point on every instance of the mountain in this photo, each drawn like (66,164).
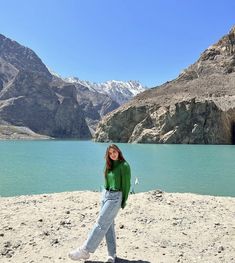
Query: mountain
(27,99)
(93,104)
(119,91)
(196,107)
(33,98)
(21,57)
(97,99)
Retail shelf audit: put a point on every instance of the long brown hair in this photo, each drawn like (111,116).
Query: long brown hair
(109,162)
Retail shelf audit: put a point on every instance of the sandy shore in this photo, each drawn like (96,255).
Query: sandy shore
(154,227)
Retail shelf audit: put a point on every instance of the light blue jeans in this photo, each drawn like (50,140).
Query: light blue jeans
(104,226)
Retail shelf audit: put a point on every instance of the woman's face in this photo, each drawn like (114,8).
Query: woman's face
(113,154)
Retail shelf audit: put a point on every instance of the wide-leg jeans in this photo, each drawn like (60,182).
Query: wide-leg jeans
(104,226)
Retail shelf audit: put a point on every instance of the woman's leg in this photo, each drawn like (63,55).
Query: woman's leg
(111,240)
(111,205)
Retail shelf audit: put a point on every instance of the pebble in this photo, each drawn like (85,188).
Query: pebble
(8,228)
(162,246)
(220,249)
(46,233)
(7,252)
(65,223)
(54,241)
(7,244)
(33,243)
(16,245)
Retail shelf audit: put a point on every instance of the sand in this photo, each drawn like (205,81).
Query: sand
(155,227)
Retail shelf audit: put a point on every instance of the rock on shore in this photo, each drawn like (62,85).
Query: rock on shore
(155,227)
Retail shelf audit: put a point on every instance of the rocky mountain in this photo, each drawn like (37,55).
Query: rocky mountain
(93,104)
(119,91)
(27,99)
(21,57)
(97,99)
(196,107)
(31,97)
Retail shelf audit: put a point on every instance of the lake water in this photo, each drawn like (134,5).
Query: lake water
(34,167)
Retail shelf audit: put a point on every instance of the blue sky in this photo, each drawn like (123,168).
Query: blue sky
(147,40)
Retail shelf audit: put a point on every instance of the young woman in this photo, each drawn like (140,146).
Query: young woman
(117,182)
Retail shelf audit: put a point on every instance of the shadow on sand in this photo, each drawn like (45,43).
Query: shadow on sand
(120,260)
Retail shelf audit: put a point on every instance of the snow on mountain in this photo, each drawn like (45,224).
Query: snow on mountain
(119,91)
(53,73)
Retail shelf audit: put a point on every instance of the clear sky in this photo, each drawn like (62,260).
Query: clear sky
(147,40)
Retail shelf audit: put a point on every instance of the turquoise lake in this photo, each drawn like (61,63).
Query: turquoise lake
(35,167)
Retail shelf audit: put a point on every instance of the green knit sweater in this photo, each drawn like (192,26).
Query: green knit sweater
(119,178)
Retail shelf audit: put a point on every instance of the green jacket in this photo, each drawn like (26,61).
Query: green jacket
(119,178)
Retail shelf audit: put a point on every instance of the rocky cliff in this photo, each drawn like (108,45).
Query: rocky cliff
(93,104)
(197,107)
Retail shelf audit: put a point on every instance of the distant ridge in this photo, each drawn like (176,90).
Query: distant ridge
(119,91)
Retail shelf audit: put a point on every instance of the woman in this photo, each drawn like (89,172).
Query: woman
(117,186)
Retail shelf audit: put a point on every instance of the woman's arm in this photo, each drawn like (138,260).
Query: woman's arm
(126,182)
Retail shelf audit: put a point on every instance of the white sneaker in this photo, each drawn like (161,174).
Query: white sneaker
(78,254)
(111,259)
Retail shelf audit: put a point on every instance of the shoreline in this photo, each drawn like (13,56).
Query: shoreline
(155,227)
(98,191)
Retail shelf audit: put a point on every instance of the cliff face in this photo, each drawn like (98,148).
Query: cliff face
(197,107)
(93,104)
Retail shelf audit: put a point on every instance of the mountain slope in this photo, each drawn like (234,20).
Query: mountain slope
(21,57)
(196,107)
(26,97)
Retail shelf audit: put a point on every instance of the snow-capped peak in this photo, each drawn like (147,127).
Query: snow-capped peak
(119,91)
